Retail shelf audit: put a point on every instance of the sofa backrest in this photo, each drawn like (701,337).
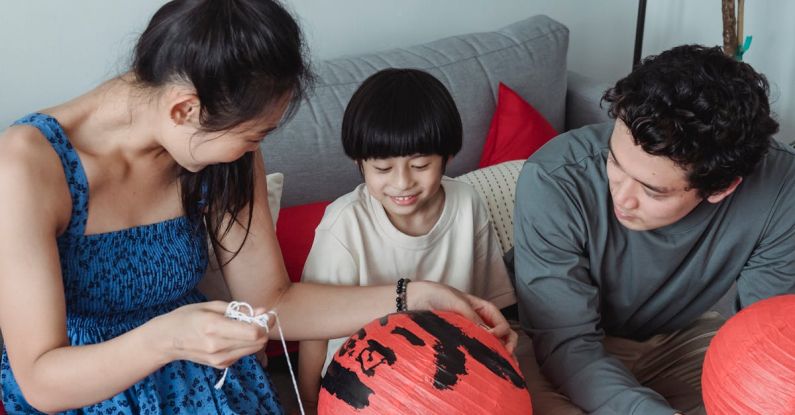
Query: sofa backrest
(528,56)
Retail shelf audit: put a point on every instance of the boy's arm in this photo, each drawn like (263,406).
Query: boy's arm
(311,357)
(559,304)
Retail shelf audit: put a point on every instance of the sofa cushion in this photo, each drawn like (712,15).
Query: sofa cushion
(529,55)
(275,188)
(296,232)
(497,186)
(517,130)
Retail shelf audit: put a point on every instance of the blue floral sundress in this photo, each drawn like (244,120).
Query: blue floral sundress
(116,281)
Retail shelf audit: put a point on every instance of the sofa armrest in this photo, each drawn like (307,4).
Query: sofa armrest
(582,101)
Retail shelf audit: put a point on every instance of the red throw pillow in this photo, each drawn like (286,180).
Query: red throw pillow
(517,130)
(2,411)
(295,230)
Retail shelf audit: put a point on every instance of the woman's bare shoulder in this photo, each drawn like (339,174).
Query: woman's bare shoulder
(31,172)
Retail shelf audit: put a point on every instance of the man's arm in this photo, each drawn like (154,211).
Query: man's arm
(771,269)
(559,303)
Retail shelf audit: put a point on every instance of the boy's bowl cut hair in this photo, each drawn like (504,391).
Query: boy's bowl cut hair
(398,113)
(705,111)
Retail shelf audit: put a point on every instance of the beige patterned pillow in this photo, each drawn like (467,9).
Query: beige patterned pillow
(497,185)
(275,183)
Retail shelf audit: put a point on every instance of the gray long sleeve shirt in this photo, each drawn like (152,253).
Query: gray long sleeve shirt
(580,274)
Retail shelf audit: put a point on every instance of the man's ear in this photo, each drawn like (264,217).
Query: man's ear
(183,106)
(717,197)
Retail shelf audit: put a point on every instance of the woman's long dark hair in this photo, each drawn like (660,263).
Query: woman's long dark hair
(242,57)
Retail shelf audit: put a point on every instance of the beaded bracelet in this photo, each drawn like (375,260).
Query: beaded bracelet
(400,290)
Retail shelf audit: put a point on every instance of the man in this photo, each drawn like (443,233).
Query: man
(627,233)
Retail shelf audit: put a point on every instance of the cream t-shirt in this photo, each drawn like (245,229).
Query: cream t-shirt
(356,244)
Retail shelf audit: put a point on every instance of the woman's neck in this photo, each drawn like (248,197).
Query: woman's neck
(116,120)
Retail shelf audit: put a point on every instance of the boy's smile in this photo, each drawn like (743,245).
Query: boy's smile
(405,200)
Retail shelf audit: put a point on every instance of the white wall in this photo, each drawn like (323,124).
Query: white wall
(772,52)
(52,50)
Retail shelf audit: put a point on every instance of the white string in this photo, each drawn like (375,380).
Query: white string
(233,312)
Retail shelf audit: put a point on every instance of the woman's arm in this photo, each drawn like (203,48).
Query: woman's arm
(52,375)
(310,311)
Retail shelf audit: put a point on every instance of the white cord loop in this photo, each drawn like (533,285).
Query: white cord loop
(233,311)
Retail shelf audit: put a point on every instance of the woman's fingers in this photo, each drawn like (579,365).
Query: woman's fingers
(495,321)
(261,320)
(434,296)
(220,351)
(511,340)
(227,328)
(222,360)
(487,312)
(202,333)
(215,306)
(218,333)
(467,311)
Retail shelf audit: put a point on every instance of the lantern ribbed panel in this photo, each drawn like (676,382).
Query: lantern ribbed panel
(749,368)
(423,363)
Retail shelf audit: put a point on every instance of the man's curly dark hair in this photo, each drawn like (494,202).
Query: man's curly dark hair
(705,111)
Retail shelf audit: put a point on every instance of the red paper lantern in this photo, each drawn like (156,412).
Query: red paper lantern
(750,365)
(423,363)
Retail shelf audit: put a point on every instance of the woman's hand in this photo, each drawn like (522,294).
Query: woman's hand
(422,295)
(202,333)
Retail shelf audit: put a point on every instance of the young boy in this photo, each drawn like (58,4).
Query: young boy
(406,220)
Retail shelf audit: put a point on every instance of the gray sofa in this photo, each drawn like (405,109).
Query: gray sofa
(528,56)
